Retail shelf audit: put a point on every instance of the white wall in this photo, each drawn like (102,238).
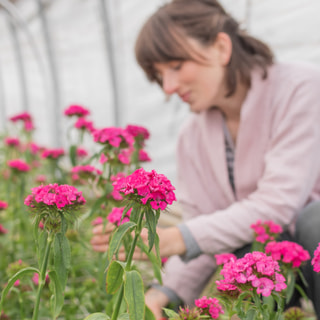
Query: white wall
(290,27)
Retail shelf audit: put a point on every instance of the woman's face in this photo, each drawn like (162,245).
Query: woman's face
(201,85)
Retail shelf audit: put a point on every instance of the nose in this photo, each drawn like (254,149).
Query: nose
(170,83)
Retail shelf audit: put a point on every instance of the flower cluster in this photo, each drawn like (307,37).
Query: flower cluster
(254,270)
(287,252)
(116,137)
(53,153)
(85,171)
(138,131)
(84,124)
(224,258)
(266,231)
(81,152)
(12,142)
(316,259)
(115,216)
(59,196)
(3,205)
(188,314)
(76,110)
(143,156)
(18,165)
(147,187)
(26,118)
(209,306)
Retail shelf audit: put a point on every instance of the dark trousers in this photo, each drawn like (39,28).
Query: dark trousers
(307,234)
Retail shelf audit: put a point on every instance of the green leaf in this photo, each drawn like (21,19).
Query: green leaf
(151,226)
(170,313)
(73,155)
(57,299)
(117,238)
(148,315)
(114,277)
(62,258)
(42,242)
(291,281)
(134,295)
(124,316)
(135,213)
(13,279)
(97,316)
(250,315)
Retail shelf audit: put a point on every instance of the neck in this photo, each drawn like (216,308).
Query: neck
(231,106)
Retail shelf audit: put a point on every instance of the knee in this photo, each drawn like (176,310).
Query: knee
(308,225)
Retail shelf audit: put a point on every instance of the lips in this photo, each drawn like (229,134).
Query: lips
(185,96)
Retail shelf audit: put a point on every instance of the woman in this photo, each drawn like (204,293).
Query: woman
(250,151)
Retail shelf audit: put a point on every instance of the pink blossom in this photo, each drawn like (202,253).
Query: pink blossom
(86,169)
(266,231)
(316,259)
(287,252)
(147,187)
(18,165)
(114,136)
(263,285)
(143,156)
(17,283)
(115,216)
(3,230)
(28,126)
(3,205)
(209,306)
(137,131)
(35,279)
(24,116)
(55,195)
(84,124)
(53,153)
(224,258)
(103,158)
(115,194)
(34,148)
(81,152)
(76,110)
(125,156)
(12,142)
(41,178)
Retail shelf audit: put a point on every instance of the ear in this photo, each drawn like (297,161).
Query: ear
(224,45)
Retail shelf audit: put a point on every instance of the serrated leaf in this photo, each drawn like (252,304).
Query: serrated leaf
(62,258)
(42,242)
(57,299)
(151,226)
(114,277)
(134,295)
(117,238)
(291,280)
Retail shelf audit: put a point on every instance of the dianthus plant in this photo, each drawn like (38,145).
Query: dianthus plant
(55,207)
(146,193)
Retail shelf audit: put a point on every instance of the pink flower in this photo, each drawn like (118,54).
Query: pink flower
(103,158)
(35,279)
(18,165)
(81,152)
(41,178)
(53,153)
(125,156)
(147,187)
(209,306)
(60,196)
(3,230)
(287,252)
(316,259)
(86,169)
(143,156)
(12,142)
(84,124)
(24,116)
(138,131)
(3,205)
(263,285)
(76,110)
(115,216)
(115,137)
(34,148)
(266,231)
(28,126)
(224,258)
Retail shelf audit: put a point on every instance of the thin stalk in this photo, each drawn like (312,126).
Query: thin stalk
(42,276)
(128,266)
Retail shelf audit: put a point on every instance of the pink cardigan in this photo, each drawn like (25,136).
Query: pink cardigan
(276,170)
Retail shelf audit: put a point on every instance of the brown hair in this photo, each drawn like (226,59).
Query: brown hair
(162,39)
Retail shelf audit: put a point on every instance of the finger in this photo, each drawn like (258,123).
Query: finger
(100,248)
(99,229)
(100,239)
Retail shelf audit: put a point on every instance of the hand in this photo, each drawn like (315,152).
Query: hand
(170,241)
(156,300)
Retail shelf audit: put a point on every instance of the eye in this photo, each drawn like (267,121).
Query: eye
(177,65)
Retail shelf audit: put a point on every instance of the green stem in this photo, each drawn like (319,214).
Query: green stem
(128,266)
(42,276)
